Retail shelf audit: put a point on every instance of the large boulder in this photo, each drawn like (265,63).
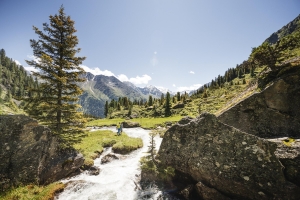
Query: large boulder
(235,164)
(30,153)
(274,112)
(129,124)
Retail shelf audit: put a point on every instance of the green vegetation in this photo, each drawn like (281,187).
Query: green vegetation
(14,84)
(55,99)
(147,123)
(33,192)
(92,145)
(273,54)
(152,167)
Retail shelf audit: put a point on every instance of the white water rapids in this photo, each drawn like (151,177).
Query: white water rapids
(117,179)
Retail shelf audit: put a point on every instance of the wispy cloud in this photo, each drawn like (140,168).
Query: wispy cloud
(174,85)
(154,60)
(138,80)
(189,88)
(191,72)
(97,71)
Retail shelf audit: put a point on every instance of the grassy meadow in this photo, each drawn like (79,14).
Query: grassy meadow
(92,145)
(147,123)
(33,192)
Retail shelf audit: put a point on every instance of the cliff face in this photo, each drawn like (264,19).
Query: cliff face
(274,112)
(232,156)
(29,153)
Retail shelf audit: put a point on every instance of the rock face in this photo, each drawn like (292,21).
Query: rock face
(274,112)
(108,158)
(29,153)
(129,124)
(288,153)
(235,164)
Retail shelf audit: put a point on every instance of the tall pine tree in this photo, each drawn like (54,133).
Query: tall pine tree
(168,105)
(55,102)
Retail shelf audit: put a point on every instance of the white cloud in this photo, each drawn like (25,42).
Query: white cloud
(97,71)
(174,85)
(122,77)
(18,63)
(191,72)
(189,88)
(138,80)
(155,52)
(144,79)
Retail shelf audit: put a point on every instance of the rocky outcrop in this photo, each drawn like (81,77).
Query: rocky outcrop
(288,153)
(129,124)
(30,153)
(179,105)
(94,171)
(274,112)
(208,193)
(229,162)
(108,158)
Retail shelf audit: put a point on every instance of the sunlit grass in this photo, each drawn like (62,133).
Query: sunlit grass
(147,123)
(33,192)
(92,145)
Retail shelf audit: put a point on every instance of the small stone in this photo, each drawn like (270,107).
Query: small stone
(217,164)
(7,148)
(244,143)
(259,159)
(226,166)
(246,178)
(261,193)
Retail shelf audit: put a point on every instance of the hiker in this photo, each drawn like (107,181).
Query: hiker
(119,128)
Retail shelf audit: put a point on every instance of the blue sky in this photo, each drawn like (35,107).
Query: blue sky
(175,44)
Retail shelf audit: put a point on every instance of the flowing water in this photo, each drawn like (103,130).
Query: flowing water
(118,179)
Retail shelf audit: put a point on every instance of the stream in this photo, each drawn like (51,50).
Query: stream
(118,179)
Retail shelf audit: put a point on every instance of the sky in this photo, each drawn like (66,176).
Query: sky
(174,44)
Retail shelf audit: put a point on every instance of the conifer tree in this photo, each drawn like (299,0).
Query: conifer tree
(178,96)
(55,102)
(150,101)
(106,109)
(168,105)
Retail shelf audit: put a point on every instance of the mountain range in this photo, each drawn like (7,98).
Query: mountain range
(100,88)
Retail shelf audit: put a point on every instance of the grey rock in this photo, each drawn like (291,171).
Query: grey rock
(30,153)
(233,162)
(129,124)
(94,171)
(185,120)
(207,193)
(272,113)
(108,158)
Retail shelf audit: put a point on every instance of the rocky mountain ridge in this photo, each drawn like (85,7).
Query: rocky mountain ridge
(284,31)
(97,89)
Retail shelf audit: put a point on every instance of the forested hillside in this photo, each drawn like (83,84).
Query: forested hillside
(14,84)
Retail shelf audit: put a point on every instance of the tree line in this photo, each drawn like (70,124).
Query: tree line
(14,78)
